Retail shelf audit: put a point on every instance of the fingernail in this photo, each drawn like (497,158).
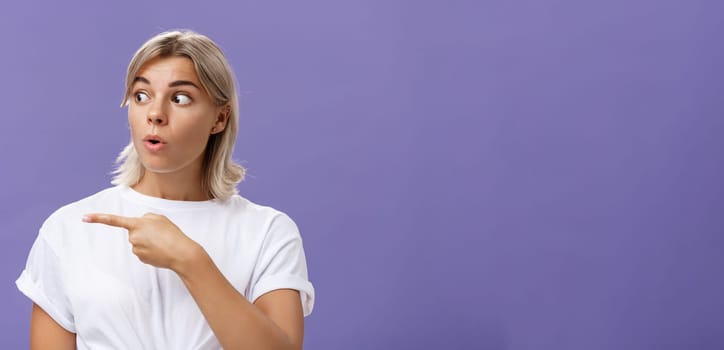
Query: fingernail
(86,218)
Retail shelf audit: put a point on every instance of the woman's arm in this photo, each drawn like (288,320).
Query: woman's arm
(274,321)
(45,333)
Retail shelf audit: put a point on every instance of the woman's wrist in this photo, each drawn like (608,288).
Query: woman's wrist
(192,256)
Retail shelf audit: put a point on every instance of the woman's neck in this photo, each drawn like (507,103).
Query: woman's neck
(173,186)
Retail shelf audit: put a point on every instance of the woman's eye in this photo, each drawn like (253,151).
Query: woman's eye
(182,99)
(141,97)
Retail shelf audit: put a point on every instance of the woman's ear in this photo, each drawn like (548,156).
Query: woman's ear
(221,119)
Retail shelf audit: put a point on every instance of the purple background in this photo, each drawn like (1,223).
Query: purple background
(466,174)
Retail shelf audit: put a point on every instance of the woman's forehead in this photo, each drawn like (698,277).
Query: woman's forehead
(168,69)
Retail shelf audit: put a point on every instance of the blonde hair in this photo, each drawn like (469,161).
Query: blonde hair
(220,173)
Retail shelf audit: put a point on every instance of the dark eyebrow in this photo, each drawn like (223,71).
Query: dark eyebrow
(172,84)
(141,79)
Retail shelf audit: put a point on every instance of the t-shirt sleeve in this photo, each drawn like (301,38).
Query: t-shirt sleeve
(42,282)
(282,263)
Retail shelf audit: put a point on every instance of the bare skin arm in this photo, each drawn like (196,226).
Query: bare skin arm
(45,333)
(274,321)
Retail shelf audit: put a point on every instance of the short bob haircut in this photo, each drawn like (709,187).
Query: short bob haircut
(220,173)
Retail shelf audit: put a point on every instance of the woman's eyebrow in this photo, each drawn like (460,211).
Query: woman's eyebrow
(171,84)
(141,79)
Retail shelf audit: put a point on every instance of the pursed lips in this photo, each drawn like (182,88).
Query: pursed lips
(154,143)
(153,139)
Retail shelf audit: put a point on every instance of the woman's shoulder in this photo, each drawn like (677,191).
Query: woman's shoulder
(248,207)
(63,225)
(93,203)
(238,202)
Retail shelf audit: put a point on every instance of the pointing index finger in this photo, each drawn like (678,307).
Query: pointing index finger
(111,220)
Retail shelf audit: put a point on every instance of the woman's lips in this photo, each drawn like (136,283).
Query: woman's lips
(154,146)
(153,143)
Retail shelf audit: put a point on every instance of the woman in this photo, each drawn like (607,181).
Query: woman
(171,257)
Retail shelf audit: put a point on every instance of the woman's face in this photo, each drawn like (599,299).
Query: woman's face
(171,116)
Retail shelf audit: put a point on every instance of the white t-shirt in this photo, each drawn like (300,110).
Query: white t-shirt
(87,279)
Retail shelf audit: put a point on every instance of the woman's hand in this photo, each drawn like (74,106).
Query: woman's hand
(156,240)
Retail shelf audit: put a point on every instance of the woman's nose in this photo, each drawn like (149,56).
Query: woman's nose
(156,116)
(156,120)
